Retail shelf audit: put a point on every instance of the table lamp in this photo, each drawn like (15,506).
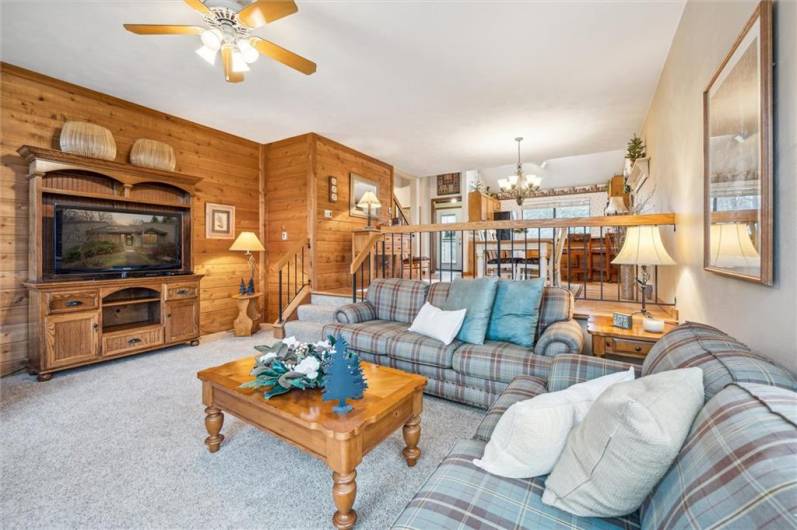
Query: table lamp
(369,200)
(643,247)
(248,242)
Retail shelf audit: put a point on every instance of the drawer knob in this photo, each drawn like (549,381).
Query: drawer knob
(134,340)
(74,303)
(638,349)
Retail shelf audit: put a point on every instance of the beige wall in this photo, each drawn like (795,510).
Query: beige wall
(763,317)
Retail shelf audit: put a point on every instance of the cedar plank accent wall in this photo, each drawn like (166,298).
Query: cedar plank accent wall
(34,107)
(296,173)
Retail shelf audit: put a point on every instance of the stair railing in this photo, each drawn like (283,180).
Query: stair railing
(400,216)
(292,276)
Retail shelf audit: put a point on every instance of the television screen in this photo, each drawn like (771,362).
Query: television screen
(108,240)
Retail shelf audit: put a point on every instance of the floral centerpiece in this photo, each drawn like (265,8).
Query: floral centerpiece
(290,364)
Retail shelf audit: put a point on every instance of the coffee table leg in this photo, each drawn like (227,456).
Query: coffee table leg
(412,433)
(214,419)
(344,490)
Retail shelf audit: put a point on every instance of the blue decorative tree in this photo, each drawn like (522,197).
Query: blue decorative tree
(344,378)
(250,289)
(242,287)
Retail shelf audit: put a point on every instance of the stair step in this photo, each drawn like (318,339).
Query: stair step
(329,299)
(304,331)
(322,314)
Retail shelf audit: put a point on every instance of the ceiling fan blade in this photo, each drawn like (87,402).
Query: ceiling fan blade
(163,29)
(229,75)
(260,12)
(197,5)
(288,58)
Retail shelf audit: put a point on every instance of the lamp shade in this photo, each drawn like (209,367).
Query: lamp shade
(731,246)
(247,242)
(643,246)
(616,206)
(369,199)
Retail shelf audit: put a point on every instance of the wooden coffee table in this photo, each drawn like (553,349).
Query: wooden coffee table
(393,399)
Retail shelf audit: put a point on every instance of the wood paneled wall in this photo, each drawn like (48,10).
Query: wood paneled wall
(34,107)
(297,172)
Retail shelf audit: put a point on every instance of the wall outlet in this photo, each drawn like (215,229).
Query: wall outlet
(327,214)
(284,235)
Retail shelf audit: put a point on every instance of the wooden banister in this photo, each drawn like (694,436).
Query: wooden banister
(365,252)
(292,251)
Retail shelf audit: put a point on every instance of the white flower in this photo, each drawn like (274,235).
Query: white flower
(323,345)
(266,357)
(309,367)
(291,342)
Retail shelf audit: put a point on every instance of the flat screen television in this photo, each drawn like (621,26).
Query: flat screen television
(94,240)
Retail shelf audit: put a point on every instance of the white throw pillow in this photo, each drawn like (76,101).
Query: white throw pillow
(531,434)
(625,445)
(442,325)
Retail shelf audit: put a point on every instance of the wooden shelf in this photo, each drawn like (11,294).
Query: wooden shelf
(121,328)
(108,197)
(131,301)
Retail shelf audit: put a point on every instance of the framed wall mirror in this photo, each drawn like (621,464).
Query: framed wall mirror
(737,146)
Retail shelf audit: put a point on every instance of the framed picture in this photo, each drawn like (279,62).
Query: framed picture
(219,221)
(358,185)
(448,184)
(737,151)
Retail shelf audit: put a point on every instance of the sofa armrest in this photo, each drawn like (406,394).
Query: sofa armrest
(569,369)
(521,388)
(355,313)
(560,337)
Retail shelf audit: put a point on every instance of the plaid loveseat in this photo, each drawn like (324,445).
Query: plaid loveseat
(475,374)
(736,470)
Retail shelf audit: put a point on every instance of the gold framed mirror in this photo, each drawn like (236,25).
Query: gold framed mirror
(737,149)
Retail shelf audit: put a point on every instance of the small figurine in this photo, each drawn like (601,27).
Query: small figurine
(250,289)
(242,287)
(344,378)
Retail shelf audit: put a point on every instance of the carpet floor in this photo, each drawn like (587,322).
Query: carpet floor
(120,445)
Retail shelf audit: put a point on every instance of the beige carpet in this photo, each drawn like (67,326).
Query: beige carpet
(120,445)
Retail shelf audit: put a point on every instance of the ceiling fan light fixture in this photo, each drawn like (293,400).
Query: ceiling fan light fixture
(207,54)
(238,63)
(212,39)
(248,51)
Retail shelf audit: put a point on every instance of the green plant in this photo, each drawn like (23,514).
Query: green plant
(635,148)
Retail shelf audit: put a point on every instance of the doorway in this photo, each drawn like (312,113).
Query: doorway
(447,247)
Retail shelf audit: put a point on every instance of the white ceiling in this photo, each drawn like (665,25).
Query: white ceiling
(429,86)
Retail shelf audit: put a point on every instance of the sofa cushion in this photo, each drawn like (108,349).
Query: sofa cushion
(723,359)
(355,313)
(569,369)
(515,312)
(557,305)
(460,495)
(420,349)
(477,297)
(521,388)
(396,299)
(371,336)
(438,293)
(499,361)
(737,468)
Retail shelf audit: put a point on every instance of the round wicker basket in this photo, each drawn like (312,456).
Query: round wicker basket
(153,154)
(87,139)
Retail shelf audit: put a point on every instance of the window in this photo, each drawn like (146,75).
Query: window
(559,211)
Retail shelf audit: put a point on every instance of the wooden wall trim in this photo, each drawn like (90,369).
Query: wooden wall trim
(312,204)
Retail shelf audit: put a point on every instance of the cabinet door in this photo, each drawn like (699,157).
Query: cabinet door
(71,338)
(182,320)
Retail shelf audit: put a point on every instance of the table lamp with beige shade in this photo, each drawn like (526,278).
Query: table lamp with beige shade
(369,200)
(248,242)
(643,247)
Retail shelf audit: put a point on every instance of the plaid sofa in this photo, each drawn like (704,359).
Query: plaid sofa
(736,470)
(476,374)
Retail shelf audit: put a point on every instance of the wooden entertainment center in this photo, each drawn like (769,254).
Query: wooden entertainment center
(80,320)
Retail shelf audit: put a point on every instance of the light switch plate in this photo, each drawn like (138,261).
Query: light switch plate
(328,214)
(284,235)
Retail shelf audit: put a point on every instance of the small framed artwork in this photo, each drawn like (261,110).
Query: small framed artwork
(219,221)
(359,185)
(448,184)
(621,320)
(333,189)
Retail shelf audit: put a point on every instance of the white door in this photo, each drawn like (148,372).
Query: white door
(449,243)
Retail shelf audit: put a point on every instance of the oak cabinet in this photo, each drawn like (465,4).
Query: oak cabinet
(182,320)
(71,338)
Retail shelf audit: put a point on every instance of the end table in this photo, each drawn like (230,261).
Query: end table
(248,320)
(634,343)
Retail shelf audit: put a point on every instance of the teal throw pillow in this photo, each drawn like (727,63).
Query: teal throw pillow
(477,297)
(516,311)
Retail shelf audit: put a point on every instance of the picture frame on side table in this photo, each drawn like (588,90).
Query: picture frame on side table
(737,150)
(219,221)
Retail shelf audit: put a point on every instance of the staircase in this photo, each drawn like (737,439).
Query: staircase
(311,317)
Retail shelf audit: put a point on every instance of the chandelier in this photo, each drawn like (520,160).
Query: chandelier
(518,186)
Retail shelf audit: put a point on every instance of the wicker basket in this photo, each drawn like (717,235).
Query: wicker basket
(87,139)
(153,154)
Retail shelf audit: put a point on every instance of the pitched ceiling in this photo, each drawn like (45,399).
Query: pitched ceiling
(429,86)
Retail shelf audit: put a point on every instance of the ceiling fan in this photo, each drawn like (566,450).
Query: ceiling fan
(228,27)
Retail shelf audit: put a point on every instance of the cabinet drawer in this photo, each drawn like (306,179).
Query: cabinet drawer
(72,301)
(121,342)
(179,291)
(628,347)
